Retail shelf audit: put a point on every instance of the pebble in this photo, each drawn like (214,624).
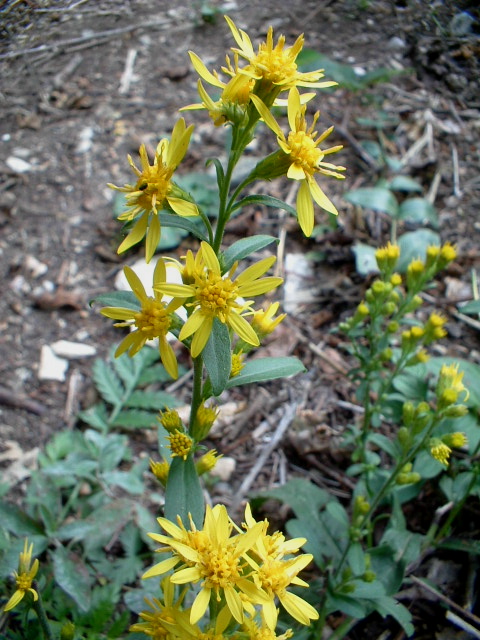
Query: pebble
(51,367)
(18,165)
(35,267)
(224,468)
(297,289)
(73,350)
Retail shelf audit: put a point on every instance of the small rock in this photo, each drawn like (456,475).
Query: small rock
(224,468)
(51,366)
(396,44)
(297,289)
(85,138)
(18,165)
(73,350)
(35,267)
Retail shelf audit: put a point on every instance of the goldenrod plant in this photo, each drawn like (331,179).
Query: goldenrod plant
(216,578)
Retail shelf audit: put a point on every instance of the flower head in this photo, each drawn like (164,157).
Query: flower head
(160,470)
(213,295)
(213,557)
(154,319)
(237,364)
(207,462)
(154,190)
(180,444)
(305,156)
(451,379)
(263,321)
(274,65)
(24,576)
(440,451)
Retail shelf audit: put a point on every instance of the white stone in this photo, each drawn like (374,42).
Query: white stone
(224,468)
(51,366)
(73,350)
(18,165)
(35,267)
(297,288)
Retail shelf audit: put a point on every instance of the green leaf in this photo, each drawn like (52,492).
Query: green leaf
(472,307)
(126,480)
(156,400)
(244,247)
(385,444)
(365,260)
(310,60)
(414,245)
(300,494)
(183,495)
(155,373)
(16,521)
(265,369)
(96,417)
(467,545)
(124,299)
(405,183)
(203,189)
(219,170)
(107,382)
(72,576)
(347,604)
(356,559)
(217,356)
(171,237)
(267,201)
(389,606)
(418,211)
(134,419)
(376,198)
(196,228)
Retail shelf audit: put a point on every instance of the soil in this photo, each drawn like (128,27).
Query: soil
(69,115)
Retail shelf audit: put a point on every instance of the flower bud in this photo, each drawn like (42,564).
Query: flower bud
(170,420)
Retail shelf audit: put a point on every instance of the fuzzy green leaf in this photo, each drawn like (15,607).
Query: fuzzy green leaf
(107,382)
(244,247)
(73,577)
(418,211)
(376,198)
(134,419)
(16,521)
(184,494)
(265,369)
(96,417)
(156,400)
(123,299)
(404,183)
(217,356)
(414,245)
(196,228)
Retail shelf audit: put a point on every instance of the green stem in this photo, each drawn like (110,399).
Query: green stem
(42,616)
(197,390)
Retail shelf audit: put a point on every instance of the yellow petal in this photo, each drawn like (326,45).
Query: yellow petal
(161,567)
(14,600)
(135,284)
(243,329)
(320,198)
(241,38)
(159,273)
(153,238)
(201,337)
(255,270)
(193,324)
(179,144)
(200,605)
(175,290)
(136,234)
(266,115)
(129,342)
(118,313)
(305,209)
(270,613)
(182,207)
(234,603)
(294,107)
(210,258)
(259,286)
(168,357)
(203,72)
(295,172)
(298,608)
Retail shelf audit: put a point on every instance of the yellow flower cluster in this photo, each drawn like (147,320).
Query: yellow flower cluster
(243,572)
(441,448)
(24,577)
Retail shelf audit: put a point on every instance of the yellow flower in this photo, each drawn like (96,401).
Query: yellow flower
(166,620)
(275,64)
(213,295)
(180,444)
(213,557)
(440,451)
(387,257)
(305,157)
(154,190)
(160,470)
(261,631)
(170,420)
(24,577)
(235,96)
(237,364)
(154,320)
(264,323)
(274,573)
(204,420)
(207,462)
(451,378)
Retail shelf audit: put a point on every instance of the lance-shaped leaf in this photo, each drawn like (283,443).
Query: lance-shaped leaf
(265,369)
(183,495)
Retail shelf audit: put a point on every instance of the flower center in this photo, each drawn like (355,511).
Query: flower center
(275,65)
(216,295)
(153,320)
(154,185)
(220,568)
(23,582)
(273,576)
(303,151)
